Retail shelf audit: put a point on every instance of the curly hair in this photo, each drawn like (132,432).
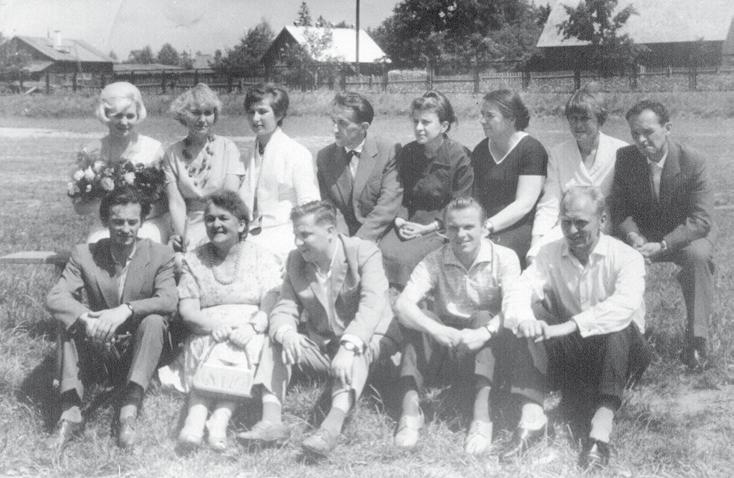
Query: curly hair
(231,202)
(121,196)
(198,97)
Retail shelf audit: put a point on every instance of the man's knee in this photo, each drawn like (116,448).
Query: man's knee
(697,252)
(152,324)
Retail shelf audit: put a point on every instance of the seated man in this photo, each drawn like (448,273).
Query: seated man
(465,278)
(578,310)
(333,318)
(358,172)
(130,289)
(661,204)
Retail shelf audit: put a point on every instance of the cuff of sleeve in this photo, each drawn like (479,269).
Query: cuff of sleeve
(582,323)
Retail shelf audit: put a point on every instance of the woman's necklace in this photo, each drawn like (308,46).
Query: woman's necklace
(206,152)
(214,268)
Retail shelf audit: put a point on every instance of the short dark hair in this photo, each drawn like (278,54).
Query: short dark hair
(588,101)
(119,196)
(323,211)
(362,109)
(461,203)
(279,96)
(231,202)
(434,100)
(511,105)
(655,106)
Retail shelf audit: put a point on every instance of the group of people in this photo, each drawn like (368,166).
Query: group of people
(503,259)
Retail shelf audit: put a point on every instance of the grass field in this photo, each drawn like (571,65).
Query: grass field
(674,424)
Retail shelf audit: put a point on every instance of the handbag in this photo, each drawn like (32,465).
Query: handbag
(219,377)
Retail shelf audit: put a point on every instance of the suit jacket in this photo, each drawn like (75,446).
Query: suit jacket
(368,203)
(359,295)
(683,213)
(150,287)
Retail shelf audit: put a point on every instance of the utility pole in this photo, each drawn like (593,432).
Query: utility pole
(356,43)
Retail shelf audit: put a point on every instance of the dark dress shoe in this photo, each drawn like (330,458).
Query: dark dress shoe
(522,440)
(66,430)
(594,455)
(126,432)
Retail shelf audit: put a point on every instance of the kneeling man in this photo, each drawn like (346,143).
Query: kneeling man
(130,289)
(579,310)
(465,280)
(333,317)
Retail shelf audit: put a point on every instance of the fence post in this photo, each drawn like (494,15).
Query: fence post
(692,77)
(475,73)
(48,82)
(525,79)
(20,80)
(196,77)
(429,75)
(132,76)
(163,82)
(385,77)
(74,82)
(633,77)
(576,79)
(102,81)
(229,82)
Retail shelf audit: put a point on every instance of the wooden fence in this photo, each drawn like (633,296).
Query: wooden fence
(396,81)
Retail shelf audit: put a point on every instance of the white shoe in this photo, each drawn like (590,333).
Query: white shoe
(408,431)
(479,438)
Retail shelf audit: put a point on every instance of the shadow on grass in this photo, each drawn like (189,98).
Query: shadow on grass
(37,390)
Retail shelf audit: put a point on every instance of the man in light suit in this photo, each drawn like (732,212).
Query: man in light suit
(358,172)
(130,289)
(333,317)
(662,201)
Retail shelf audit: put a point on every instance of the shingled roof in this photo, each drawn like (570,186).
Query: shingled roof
(342,47)
(71,50)
(657,21)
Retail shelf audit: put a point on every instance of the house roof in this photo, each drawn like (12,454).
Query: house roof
(126,67)
(71,50)
(657,21)
(202,60)
(342,47)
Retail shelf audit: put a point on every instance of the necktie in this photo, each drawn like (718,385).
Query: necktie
(351,154)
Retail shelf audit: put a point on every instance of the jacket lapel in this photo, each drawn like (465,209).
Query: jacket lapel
(339,271)
(136,272)
(671,170)
(367,163)
(105,274)
(344,182)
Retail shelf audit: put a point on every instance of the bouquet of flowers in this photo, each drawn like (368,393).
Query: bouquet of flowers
(93,178)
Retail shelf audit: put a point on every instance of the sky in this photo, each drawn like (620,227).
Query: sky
(193,25)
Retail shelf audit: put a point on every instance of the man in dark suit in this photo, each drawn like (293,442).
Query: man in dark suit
(130,289)
(333,318)
(358,172)
(661,204)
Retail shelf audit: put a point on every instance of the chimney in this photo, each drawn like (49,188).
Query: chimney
(57,40)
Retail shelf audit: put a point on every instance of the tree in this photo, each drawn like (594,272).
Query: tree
(595,22)
(113,55)
(246,55)
(168,55)
(143,56)
(185,60)
(303,18)
(460,33)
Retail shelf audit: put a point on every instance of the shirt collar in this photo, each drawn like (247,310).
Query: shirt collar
(359,147)
(128,258)
(601,248)
(484,255)
(660,163)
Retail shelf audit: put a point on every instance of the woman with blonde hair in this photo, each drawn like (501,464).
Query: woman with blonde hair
(120,108)
(197,165)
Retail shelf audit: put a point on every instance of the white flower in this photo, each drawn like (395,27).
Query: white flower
(78,175)
(72,189)
(129,178)
(89,174)
(98,166)
(107,184)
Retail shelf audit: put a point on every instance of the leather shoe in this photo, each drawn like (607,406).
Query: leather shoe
(522,440)
(265,432)
(594,455)
(320,442)
(126,432)
(65,432)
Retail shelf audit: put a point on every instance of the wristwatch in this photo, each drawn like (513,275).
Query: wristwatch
(350,347)
(129,306)
(663,245)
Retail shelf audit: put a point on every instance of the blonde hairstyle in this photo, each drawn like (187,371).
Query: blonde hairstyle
(198,97)
(115,94)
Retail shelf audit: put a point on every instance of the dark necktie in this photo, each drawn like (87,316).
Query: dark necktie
(260,148)
(351,154)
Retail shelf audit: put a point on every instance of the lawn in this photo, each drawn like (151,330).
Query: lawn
(673,424)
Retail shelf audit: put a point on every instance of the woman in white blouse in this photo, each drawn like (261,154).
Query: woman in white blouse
(279,174)
(587,159)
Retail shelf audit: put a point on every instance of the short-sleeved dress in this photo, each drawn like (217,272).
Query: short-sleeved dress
(429,184)
(256,282)
(141,150)
(197,177)
(495,187)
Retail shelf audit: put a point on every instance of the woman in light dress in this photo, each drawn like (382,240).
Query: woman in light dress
(121,109)
(197,165)
(586,159)
(228,287)
(280,173)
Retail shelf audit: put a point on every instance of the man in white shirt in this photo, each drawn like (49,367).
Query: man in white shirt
(581,309)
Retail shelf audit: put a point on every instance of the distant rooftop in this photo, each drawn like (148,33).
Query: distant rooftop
(342,45)
(69,49)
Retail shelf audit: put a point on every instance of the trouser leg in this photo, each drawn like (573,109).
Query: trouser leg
(148,342)
(697,283)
